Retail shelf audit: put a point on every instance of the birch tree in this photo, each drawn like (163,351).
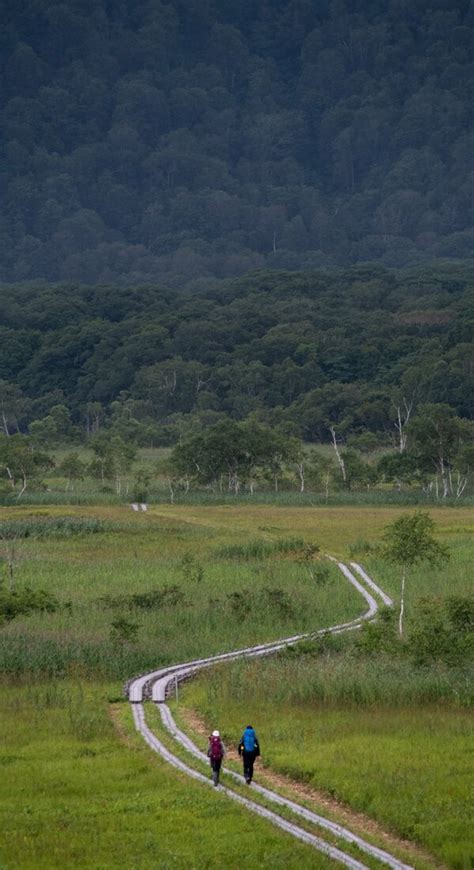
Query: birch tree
(340,460)
(438,436)
(409,541)
(20,462)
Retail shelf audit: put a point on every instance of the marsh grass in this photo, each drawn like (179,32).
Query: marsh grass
(165,577)
(46,527)
(75,795)
(251,585)
(405,765)
(342,678)
(259,549)
(77,790)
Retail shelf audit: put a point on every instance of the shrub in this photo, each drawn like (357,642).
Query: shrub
(23,601)
(168,596)
(442,630)
(123,632)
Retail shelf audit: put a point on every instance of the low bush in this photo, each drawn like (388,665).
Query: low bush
(167,596)
(441,630)
(23,601)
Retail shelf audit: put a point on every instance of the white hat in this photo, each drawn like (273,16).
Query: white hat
(215,734)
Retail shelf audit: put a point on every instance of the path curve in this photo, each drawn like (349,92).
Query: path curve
(158,684)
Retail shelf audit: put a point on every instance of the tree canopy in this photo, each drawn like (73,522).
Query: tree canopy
(187,142)
(301,351)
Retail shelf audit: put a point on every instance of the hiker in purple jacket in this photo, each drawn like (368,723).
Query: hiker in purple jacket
(249,749)
(215,753)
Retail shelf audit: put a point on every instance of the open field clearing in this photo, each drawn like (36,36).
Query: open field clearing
(135,592)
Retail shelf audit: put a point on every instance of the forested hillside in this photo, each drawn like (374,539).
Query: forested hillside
(189,141)
(298,350)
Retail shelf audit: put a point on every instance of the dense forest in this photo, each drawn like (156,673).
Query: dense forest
(305,352)
(186,142)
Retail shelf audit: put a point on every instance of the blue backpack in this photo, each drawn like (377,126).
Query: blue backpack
(249,740)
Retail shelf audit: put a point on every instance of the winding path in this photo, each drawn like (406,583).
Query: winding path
(158,684)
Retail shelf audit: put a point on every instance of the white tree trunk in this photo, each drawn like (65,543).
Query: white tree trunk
(10,477)
(5,424)
(402,604)
(338,455)
(300,470)
(461,484)
(23,486)
(403,418)
(444,477)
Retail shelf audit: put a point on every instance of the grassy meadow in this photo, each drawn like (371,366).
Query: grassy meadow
(409,768)
(133,591)
(80,788)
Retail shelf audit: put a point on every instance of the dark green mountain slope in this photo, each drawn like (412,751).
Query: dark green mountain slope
(188,141)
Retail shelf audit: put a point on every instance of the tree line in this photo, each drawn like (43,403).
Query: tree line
(235,457)
(187,142)
(347,355)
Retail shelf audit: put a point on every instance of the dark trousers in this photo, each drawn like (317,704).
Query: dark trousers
(248,759)
(216,769)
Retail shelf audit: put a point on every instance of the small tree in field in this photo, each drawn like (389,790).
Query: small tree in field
(409,541)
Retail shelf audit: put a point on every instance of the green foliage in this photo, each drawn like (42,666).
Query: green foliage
(379,636)
(21,602)
(46,527)
(19,461)
(443,630)
(259,549)
(123,632)
(239,401)
(191,570)
(195,146)
(72,467)
(361,547)
(273,599)
(230,454)
(168,596)
(409,540)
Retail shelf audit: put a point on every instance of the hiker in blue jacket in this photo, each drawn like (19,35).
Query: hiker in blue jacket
(249,749)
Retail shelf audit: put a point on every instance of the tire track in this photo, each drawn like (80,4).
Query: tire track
(158,684)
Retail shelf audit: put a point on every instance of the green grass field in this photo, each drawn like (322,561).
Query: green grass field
(68,786)
(77,790)
(409,768)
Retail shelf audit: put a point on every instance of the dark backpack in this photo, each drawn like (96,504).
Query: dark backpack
(215,749)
